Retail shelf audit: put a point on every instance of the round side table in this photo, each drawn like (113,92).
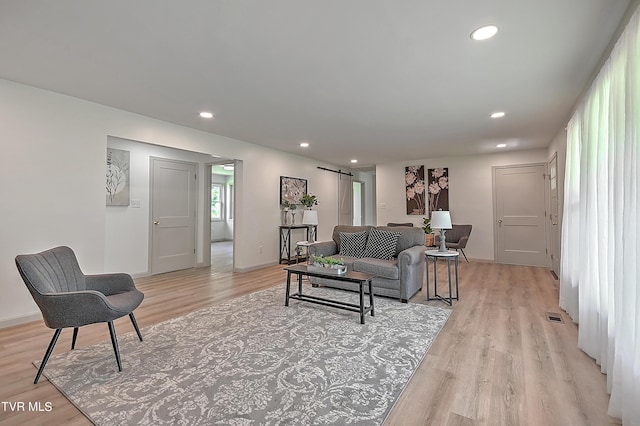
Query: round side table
(299,246)
(449,256)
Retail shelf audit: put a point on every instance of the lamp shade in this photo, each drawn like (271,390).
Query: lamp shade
(440,219)
(310,217)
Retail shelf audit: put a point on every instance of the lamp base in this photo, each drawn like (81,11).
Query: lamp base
(443,247)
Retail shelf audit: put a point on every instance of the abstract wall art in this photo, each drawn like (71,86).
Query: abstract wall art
(117,184)
(292,189)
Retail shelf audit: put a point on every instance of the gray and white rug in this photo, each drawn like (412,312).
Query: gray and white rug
(253,361)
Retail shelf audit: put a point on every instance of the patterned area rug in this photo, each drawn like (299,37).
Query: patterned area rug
(254,361)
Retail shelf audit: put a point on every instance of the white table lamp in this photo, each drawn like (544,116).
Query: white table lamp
(441,220)
(310,217)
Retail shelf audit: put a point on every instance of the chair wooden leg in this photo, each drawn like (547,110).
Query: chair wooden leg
(47,354)
(75,336)
(135,325)
(114,341)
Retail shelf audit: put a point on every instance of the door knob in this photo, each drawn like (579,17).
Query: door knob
(155,222)
(499,220)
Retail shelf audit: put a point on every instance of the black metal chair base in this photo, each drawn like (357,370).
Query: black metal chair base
(47,354)
(135,325)
(114,342)
(75,337)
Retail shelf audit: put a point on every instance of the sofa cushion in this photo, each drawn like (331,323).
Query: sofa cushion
(409,237)
(349,261)
(335,236)
(353,243)
(381,244)
(378,267)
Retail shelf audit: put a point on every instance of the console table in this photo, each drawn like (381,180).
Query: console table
(285,241)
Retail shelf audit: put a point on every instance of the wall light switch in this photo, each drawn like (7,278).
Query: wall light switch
(135,204)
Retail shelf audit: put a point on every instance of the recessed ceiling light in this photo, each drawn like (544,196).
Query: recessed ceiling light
(484,33)
(205,114)
(354,161)
(501,145)
(304,144)
(499,114)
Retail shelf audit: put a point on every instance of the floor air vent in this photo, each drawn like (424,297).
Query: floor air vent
(554,317)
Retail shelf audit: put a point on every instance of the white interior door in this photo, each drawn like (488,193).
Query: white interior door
(554,228)
(519,211)
(173,215)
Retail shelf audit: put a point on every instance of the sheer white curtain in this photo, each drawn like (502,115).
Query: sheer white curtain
(600,272)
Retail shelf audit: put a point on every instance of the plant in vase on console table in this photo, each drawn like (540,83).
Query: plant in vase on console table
(309,200)
(284,216)
(430,239)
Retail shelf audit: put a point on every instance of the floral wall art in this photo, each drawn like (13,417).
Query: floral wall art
(438,189)
(415,189)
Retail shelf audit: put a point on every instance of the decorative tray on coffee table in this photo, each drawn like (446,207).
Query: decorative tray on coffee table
(335,270)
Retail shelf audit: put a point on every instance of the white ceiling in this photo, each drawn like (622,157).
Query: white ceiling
(374,80)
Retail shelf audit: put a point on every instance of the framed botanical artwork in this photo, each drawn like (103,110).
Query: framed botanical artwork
(438,180)
(414,189)
(117,184)
(292,189)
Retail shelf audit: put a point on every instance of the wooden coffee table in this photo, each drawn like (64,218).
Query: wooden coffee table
(355,277)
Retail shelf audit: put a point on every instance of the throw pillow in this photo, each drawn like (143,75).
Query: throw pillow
(381,244)
(353,243)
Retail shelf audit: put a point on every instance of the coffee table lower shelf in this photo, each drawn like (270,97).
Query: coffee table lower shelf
(354,277)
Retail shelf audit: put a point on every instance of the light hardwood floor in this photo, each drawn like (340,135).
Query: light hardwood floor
(497,361)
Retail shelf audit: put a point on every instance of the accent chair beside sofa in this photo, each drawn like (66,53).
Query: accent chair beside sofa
(398,265)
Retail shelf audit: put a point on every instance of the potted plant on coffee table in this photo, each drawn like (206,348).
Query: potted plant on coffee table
(327,265)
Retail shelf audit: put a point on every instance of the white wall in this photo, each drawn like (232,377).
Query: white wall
(53,169)
(470,193)
(126,227)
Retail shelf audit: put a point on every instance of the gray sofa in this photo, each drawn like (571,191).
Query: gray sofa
(400,277)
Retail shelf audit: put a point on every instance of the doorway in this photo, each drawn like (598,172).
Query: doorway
(358,203)
(519,213)
(221,198)
(345,198)
(173,215)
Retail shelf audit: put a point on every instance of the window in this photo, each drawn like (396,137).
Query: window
(217,201)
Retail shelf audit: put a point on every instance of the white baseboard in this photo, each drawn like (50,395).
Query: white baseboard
(20,319)
(253,268)
(140,275)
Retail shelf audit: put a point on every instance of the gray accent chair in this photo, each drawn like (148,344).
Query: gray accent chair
(456,238)
(68,298)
